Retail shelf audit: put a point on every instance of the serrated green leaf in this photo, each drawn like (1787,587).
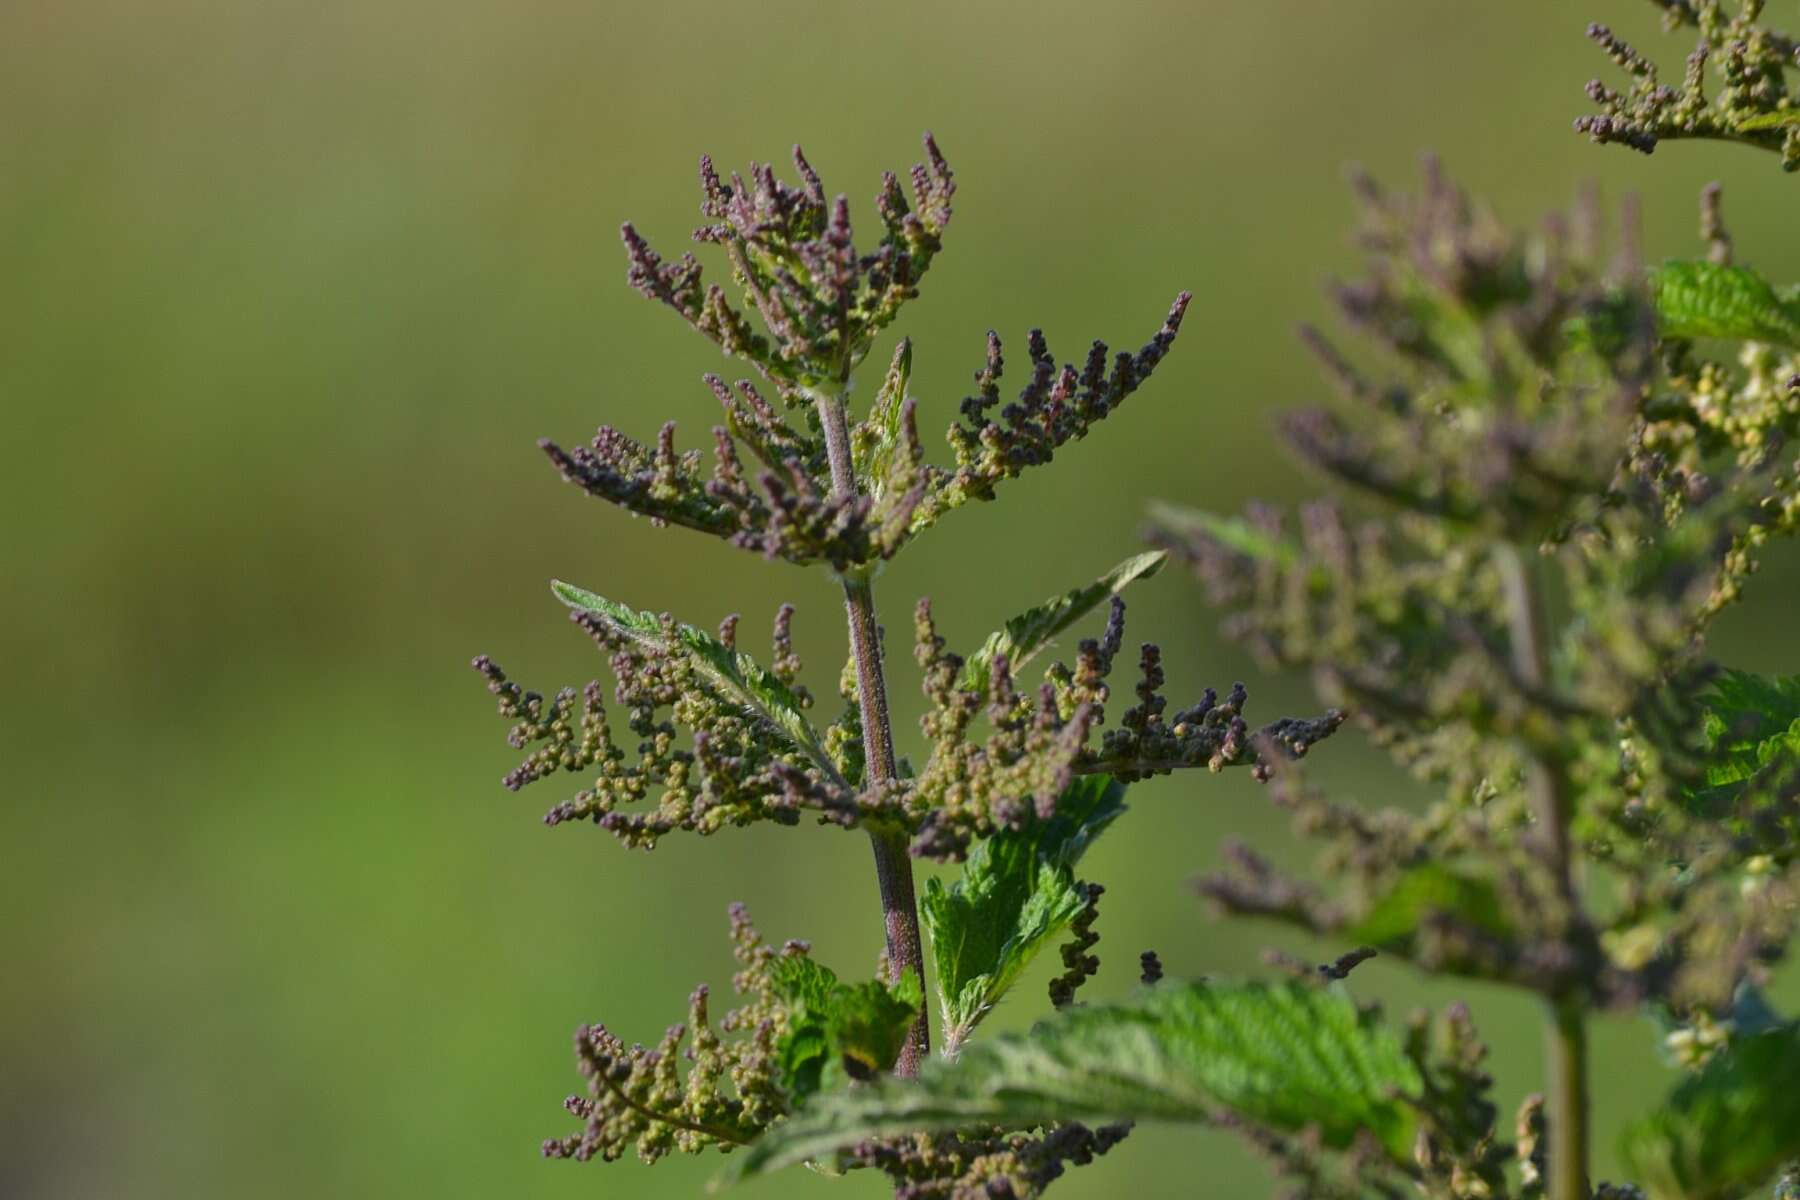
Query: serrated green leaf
(1016,893)
(1745,710)
(1087,806)
(838,1031)
(910,990)
(1752,727)
(733,673)
(1774,120)
(804,1052)
(868,1026)
(1696,299)
(1030,631)
(803,982)
(1728,1128)
(802,1055)
(1395,917)
(1286,1056)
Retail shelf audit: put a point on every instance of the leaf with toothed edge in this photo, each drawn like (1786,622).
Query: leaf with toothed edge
(1709,300)
(1287,1056)
(1030,631)
(1017,892)
(1752,731)
(838,1031)
(735,674)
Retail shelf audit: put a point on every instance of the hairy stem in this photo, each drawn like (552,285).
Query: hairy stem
(893,865)
(1566,1031)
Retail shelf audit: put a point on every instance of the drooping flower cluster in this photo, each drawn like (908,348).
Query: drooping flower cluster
(1079,964)
(1037,744)
(717,744)
(977,1166)
(1056,406)
(1753,103)
(784,507)
(640,1099)
(725,742)
(799,1029)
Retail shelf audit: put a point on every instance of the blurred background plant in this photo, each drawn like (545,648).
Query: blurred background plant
(285,284)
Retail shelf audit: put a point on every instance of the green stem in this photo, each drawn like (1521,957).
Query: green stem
(893,865)
(1566,1030)
(1566,1057)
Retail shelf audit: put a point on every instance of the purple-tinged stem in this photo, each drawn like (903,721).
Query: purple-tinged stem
(893,865)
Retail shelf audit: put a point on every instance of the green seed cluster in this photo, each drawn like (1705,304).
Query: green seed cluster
(641,1097)
(1753,103)
(706,761)
(973,788)
(1035,744)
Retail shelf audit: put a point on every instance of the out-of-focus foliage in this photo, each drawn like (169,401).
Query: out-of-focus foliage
(1567,491)
(1726,1129)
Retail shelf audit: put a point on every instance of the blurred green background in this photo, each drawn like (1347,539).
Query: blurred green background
(287,290)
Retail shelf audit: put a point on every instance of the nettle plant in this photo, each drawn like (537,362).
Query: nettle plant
(1552,468)
(1015,781)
